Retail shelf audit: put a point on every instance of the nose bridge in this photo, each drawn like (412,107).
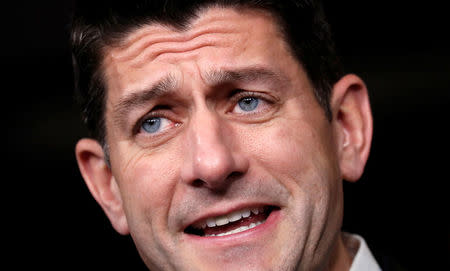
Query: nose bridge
(209,156)
(206,133)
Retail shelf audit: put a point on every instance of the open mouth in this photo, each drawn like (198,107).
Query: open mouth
(232,223)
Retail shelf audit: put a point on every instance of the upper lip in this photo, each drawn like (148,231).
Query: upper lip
(223,210)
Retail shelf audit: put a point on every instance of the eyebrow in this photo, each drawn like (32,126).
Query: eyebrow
(168,84)
(244,75)
(139,98)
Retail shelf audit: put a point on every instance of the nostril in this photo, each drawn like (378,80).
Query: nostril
(234,175)
(231,177)
(198,183)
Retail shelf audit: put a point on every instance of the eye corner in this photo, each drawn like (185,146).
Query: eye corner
(155,125)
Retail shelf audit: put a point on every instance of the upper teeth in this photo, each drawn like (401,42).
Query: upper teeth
(231,217)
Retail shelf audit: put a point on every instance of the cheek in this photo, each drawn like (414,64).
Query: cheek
(147,185)
(298,154)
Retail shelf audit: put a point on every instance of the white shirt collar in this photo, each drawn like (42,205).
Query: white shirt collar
(363,260)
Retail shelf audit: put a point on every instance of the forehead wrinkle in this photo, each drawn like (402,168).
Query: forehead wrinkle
(138,98)
(166,37)
(188,48)
(207,20)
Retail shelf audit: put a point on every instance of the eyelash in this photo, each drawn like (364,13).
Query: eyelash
(239,94)
(155,113)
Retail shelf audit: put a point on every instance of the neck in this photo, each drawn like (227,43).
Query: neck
(341,256)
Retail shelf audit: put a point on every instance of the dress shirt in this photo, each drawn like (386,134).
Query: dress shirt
(363,259)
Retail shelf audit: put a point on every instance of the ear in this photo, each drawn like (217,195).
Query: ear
(101,182)
(353,124)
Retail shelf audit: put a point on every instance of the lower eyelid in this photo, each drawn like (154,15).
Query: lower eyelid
(162,114)
(262,102)
(163,122)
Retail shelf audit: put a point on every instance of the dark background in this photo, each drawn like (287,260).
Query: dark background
(400,205)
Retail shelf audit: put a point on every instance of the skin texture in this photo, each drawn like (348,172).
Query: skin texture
(211,157)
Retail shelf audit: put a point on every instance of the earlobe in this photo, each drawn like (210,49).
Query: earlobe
(101,182)
(353,125)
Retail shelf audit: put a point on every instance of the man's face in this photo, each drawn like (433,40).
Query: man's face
(223,158)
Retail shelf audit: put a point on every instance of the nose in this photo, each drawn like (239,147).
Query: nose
(212,156)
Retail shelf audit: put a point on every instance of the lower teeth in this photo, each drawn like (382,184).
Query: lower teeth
(237,230)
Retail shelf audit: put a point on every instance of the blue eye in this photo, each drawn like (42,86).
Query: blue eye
(248,103)
(152,125)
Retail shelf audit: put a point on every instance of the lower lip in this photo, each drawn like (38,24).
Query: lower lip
(240,237)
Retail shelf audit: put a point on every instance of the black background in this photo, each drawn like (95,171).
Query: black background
(400,205)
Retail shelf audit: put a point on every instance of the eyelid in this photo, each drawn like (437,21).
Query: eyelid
(154,113)
(240,94)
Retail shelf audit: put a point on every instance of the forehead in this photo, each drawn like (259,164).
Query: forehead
(208,21)
(218,38)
